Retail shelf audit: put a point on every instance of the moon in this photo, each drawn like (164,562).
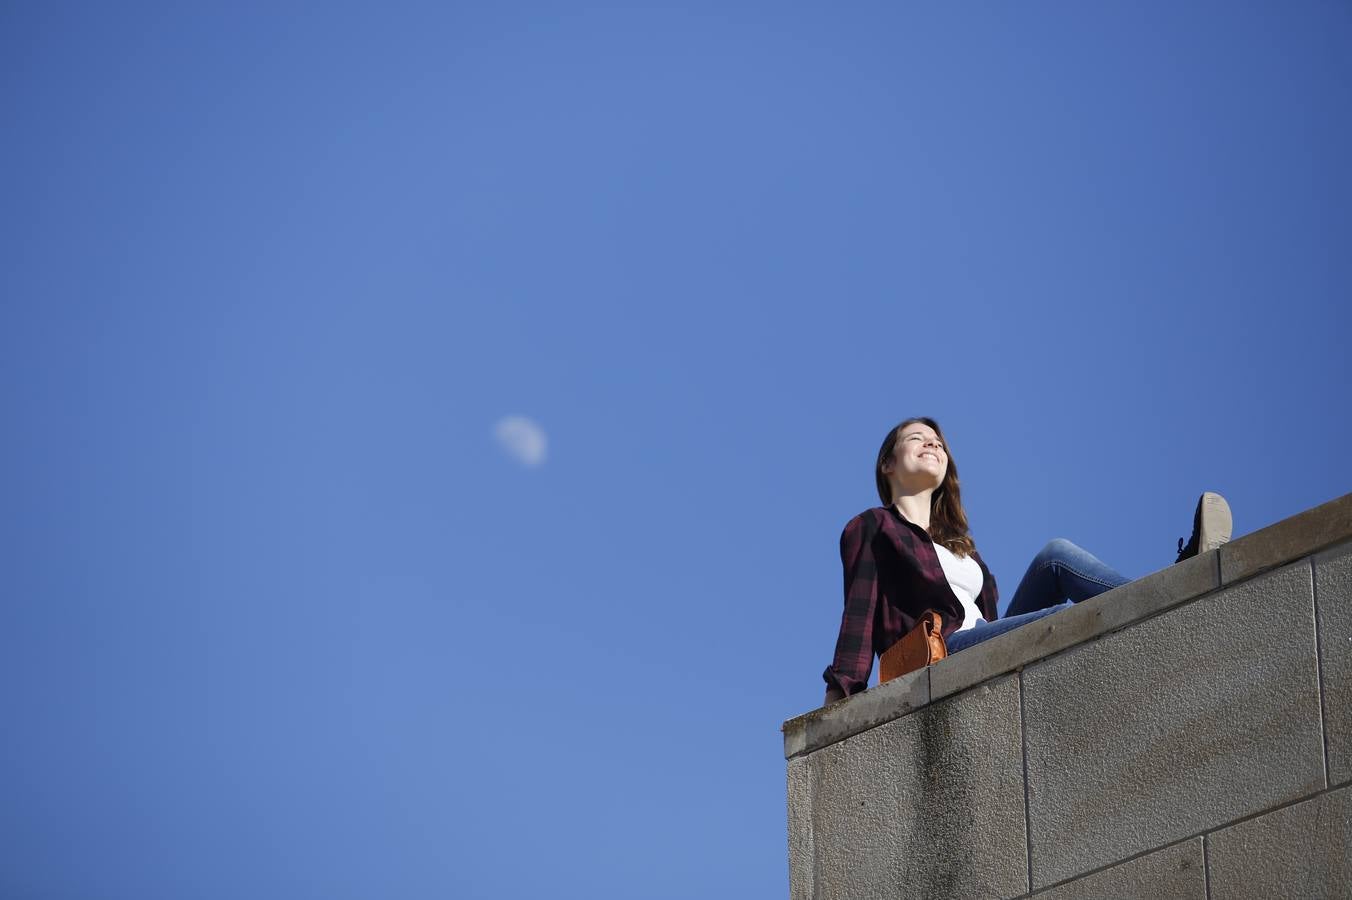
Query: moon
(522,439)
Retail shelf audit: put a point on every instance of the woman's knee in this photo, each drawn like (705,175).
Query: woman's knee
(1057,550)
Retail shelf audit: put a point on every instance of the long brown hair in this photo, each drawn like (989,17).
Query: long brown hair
(948,520)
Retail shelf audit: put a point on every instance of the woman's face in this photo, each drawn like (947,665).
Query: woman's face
(919,460)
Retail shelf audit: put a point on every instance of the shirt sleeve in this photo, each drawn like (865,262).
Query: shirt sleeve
(853,662)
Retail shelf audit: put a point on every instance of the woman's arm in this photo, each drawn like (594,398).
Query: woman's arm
(853,662)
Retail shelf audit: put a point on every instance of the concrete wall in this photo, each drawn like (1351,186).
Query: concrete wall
(1188,735)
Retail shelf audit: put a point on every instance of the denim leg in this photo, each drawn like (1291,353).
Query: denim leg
(959,640)
(1061,571)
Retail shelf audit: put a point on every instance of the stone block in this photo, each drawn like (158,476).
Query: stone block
(1333,608)
(1075,624)
(1288,540)
(1174,873)
(876,706)
(930,805)
(800,830)
(1301,851)
(1173,726)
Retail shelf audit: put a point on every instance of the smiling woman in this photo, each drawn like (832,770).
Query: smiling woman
(914,555)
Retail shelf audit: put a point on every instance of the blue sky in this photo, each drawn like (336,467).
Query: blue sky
(283,618)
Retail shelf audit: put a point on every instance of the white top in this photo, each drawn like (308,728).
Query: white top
(964,577)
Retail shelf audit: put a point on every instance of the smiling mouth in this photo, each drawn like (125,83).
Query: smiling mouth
(932,456)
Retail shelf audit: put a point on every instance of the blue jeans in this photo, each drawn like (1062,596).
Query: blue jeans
(1059,575)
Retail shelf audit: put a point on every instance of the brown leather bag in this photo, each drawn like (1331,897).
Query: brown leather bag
(922,646)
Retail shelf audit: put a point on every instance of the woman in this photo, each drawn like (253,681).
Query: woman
(914,554)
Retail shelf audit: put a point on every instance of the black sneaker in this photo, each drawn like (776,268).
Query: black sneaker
(1211,526)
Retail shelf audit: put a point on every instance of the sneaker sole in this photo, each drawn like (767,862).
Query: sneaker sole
(1216,522)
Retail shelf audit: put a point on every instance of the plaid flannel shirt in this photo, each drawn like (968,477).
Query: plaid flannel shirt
(892,576)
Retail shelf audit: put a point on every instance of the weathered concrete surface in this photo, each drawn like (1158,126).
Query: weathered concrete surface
(1333,603)
(800,830)
(1300,851)
(878,705)
(1174,873)
(1289,539)
(1075,624)
(1173,726)
(929,805)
